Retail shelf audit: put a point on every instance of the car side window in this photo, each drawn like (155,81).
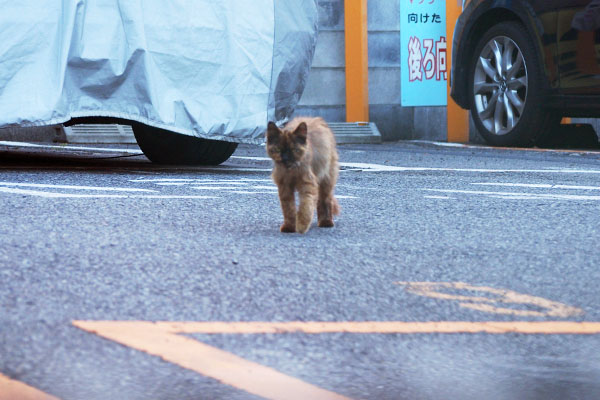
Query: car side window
(579,47)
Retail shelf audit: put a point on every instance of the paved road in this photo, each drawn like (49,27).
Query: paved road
(460,236)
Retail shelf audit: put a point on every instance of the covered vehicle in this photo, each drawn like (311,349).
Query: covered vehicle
(193,77)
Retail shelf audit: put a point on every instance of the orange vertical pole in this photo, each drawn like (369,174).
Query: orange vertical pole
(458,119)
(357,61)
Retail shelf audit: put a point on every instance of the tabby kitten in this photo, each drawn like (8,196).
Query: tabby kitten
(306,161)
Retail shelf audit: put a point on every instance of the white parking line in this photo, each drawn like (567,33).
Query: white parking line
(95,196)
(215,187)
(68,147)
(537,185)
(346,166)
(71,187)
(520,196)
(162,181)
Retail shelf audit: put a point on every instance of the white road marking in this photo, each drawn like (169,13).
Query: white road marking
(523,197)
(185,181)
(249,192)
(482,170)
(272,187)
(513,195)
(235,186)
(233,169)
(215,187)
(231,184)
(61,147)
(368,167)
(354,166)
(71,187)
(349,166)
(537,185)
(94,196)
(438,197)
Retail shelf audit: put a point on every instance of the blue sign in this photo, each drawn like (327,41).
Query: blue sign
(423,52)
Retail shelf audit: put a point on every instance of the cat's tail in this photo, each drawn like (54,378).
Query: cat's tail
(336,207)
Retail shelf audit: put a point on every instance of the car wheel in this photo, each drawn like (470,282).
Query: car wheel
(505,88)
(166,147)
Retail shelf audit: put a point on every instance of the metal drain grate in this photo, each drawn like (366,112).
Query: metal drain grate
(355,132)
(99,133)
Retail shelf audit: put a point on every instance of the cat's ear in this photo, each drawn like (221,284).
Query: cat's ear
(301,133)
(273,133)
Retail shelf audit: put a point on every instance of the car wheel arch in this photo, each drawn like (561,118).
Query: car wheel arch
(507,98)
(483,20)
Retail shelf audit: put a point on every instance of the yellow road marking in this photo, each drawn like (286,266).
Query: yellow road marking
(163,339)
(126,329)
(15,390)
(160,340)
(491,304)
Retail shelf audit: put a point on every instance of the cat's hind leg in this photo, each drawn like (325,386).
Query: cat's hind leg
(326,205)
(288,207)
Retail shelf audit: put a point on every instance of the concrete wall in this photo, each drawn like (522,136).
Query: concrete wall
(325,93)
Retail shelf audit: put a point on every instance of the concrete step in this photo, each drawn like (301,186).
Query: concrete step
(100,133)
(345,133)
(355,132)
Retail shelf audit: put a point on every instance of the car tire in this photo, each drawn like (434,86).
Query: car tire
(506,88)
(166,147)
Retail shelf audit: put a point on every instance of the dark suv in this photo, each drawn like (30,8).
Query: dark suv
(521,65)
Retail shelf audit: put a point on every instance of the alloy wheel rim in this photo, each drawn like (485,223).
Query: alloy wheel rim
(500,85)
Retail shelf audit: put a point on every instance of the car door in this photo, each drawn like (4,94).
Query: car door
(578,35)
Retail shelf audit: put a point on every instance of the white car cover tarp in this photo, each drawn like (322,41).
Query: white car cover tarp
(217,69)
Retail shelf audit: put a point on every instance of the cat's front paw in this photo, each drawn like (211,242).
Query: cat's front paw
(302,228)
(286,228)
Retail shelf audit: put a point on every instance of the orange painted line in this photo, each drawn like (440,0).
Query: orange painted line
(164,339)
(384,327)
(15,390)
(357,61)
(191,354)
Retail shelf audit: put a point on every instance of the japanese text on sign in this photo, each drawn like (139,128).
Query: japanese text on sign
(424,18)
(423,52)
(431,64)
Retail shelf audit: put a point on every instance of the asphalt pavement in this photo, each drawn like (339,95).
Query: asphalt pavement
(494,249)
